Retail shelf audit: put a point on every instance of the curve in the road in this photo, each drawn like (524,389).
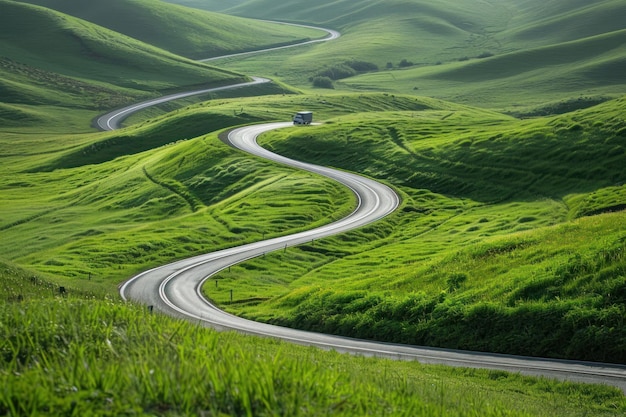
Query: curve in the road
(176,288)
(114,119)
(332,35)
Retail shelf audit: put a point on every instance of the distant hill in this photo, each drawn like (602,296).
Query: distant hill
(52,58)
(554,21)
(215,5)
(506,54)
(554,77)
(184,31)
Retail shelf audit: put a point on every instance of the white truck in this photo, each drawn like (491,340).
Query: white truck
(303,118)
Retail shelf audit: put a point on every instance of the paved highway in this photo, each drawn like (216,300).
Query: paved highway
(175,288)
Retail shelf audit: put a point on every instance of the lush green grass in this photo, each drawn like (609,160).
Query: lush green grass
(484,245)
(114,220)
(512,56)
(191,33)
(54,59)
(76,354)
(591,66)
(77,205)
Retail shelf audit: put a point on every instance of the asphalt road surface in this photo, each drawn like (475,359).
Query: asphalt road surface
(175,289)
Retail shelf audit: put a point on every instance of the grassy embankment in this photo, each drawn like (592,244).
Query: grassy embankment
(84,355)
(492,242)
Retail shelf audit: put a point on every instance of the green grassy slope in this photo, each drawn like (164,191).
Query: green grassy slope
(49,58)
(489,242)
(214,5)
(589,67)
(378,32)
(550,22)
(191,33)
(534,52)
(68,217)
(345,13)
(72,47)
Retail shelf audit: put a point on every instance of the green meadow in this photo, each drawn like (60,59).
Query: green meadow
(501,126)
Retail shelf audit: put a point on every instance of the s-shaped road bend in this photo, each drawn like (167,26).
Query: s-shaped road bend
(175,288)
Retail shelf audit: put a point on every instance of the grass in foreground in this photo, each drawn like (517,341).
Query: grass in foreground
(84,355)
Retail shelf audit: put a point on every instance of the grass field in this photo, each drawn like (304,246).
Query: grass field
(80,354)
(512,212)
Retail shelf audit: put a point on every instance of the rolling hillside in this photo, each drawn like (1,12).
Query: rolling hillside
(504,223)
(509,55)
(551,22)
(55,60)
(583,71)
(159,24)
(388,31)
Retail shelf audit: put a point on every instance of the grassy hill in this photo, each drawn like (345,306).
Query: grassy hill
(159,24)
(568,72)
(55,60)
(515,56)
(216,5)
(552,22)
(467,176)
(378,32)
(492,236)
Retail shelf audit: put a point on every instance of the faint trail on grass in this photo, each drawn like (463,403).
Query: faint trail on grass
(193,203)
(31,218)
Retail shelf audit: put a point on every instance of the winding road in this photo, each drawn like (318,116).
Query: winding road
(175,288)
